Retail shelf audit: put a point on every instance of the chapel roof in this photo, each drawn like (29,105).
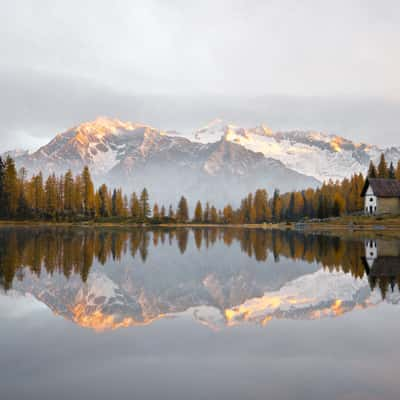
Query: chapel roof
(382,187)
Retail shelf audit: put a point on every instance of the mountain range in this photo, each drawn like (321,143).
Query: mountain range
(219,162)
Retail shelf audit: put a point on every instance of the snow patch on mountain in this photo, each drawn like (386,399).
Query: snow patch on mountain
(124,151)
(316,154)
(212,132)
(103,160)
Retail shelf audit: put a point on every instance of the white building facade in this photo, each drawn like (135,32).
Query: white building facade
(381,196)
(370,202)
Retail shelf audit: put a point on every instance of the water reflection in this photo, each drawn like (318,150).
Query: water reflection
(382,264)
(108,279)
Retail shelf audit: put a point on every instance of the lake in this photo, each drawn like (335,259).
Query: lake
(96,313)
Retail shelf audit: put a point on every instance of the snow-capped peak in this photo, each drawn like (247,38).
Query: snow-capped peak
(213,131)
(321,155)
(107,142)
(103,126)
(215,124)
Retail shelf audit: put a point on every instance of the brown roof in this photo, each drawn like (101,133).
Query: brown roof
(382,187)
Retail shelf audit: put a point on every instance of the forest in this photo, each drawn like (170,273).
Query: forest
(72,198)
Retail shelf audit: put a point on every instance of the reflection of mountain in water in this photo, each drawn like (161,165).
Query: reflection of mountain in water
(105,279)
(313,296)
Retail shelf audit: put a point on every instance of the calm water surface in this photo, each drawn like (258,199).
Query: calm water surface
(197,314)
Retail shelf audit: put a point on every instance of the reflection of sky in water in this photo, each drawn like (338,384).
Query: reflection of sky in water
(177,359)
(279,330)
(15,305)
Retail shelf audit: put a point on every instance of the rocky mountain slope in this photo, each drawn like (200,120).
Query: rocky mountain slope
(316,154)
(135,156)
(219,162)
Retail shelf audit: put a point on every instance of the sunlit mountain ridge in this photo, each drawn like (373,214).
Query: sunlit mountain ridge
(134,156)
(106,143)
(321,155)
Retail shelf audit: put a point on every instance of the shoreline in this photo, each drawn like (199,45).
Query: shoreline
(342,224)
(94,224)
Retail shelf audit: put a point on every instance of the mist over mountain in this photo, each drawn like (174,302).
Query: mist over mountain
(219,162)
(134,156)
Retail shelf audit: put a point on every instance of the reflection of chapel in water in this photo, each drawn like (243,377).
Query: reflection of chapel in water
(382,263)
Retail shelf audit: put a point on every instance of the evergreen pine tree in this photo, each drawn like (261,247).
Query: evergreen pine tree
(213,215)
(372,172)
(51,196)
(298,209)
(290,210)
(338,205)
(182,213)
(87,193)
(144,205)
(398,171)
(114,211)
(171,214)
(60,194)
(162,212)
(198,213)
(119,204)
(383,171)
(77,195)
(243,211)
(38,196)
(126,206)
(2,199)
(392,172)
(156,212)
(228,214)
(68,192)
(23,210)
(276,206)
(135,207)
(252,213)
(10,188)
(321,206)
(23,207)
(261,205)
(103,201)
(206,214)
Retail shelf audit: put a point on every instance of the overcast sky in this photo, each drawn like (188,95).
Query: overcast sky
(325,65)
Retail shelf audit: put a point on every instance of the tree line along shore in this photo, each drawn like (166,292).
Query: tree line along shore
(68,198)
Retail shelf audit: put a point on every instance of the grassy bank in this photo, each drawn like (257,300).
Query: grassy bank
(355,226)
(131,224)
(347,223)
(356,223)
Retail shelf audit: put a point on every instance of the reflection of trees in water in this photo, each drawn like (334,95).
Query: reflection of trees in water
(198,238)
(385,283)
(182,239)
(73,251)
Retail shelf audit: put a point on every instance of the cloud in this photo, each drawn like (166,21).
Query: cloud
(41,105)
(330,66)
(235,48)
